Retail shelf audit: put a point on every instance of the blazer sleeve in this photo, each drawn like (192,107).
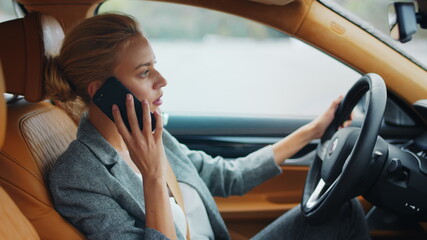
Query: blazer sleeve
(225,177)
(87,203)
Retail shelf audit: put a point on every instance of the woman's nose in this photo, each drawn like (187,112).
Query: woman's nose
(161,82)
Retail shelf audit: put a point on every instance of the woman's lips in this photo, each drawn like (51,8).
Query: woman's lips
(158,102)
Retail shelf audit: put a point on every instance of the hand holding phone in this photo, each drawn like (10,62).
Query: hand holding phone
(114,92)
(145,147)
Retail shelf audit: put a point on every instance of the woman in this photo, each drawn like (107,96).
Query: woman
(96,184)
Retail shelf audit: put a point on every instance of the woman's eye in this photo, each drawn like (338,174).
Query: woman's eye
(145,73)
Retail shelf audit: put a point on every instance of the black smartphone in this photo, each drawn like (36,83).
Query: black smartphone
(114,92)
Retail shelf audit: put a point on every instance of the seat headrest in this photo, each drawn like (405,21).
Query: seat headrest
(23,48)
(3,118)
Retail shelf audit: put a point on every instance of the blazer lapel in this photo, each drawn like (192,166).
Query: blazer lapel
(130,192)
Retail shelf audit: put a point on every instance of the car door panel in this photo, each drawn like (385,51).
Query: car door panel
(233,137)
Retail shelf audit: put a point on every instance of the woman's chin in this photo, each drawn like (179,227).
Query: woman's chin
(154,108)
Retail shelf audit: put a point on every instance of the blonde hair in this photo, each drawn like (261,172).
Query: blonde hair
(88,53)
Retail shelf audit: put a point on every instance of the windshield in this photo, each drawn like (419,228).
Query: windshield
(234,66)
(373,16)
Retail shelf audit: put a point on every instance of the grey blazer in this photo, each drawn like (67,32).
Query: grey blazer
(94,189)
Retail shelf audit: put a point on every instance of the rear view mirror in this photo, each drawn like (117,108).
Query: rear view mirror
(402,21)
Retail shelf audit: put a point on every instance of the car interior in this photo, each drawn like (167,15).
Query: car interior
(35,131)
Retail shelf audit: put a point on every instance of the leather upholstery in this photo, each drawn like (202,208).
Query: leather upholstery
(13,225)
(37,133)
(46,145)
(23,53)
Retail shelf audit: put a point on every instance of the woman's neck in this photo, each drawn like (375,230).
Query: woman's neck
(106,128)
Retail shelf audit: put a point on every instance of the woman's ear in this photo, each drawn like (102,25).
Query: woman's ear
(93,87)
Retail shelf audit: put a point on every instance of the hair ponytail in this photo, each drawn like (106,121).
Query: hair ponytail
(59,90)
(88,53)
(57,87)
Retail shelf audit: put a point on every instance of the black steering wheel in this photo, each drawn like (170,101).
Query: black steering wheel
(344,155)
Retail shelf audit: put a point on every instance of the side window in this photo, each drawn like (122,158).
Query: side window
(7,11)
(219,64)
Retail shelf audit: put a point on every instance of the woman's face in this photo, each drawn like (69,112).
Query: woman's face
(135,70)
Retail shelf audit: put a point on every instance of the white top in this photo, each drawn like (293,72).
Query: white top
(178,217)
(198,221)
(197,217)
(195,210)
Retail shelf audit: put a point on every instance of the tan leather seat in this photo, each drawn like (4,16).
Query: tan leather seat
(13,224)
(37,131)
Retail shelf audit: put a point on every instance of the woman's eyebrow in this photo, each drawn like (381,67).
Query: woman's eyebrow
(143,65)
(146,64)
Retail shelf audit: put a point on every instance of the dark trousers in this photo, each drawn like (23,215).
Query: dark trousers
(348,224)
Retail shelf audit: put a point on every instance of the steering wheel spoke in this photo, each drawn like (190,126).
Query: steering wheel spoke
(316,193)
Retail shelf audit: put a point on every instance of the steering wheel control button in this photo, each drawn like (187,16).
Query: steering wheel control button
(396,169)
(394,166)
(376,164)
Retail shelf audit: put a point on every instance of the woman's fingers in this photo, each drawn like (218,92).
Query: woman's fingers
(336,103)
(130,109)
(159,125)
(348,121)
(121,127)
(146,118)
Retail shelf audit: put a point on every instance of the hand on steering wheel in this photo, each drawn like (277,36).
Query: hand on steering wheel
(322,122)
(344,154)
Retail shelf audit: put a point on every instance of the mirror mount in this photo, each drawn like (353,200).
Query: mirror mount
(404,20)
